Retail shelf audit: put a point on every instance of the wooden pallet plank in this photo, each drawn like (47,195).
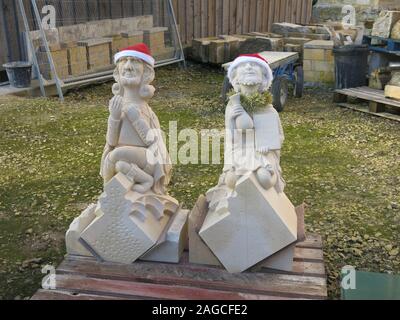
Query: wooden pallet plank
(304,254)
(362,109)
(120,288)
(201,277)
(368,95)
(312,241)
(67,295)
(301,268)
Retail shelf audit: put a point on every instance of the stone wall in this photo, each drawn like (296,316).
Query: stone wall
(366,10)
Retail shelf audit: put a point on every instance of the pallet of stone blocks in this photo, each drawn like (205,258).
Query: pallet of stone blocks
(79,278)
(376,98)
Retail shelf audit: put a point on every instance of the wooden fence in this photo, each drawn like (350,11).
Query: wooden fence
(196,18)
(206,18)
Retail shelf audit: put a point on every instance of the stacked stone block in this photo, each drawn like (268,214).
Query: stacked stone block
(319,63)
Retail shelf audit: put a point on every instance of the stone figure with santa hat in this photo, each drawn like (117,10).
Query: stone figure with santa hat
(250,220)
(134,217)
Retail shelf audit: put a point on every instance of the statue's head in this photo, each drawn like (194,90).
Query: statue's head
(134,70)
(250,70)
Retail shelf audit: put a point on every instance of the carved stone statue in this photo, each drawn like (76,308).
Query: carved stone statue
(248,212)
(135,218)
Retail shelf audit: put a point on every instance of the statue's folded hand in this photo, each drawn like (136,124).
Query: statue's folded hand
(115,107)
(236,111)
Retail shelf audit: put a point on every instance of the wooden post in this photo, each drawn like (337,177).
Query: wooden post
(376,107)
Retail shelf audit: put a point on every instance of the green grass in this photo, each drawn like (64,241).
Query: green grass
(344,165)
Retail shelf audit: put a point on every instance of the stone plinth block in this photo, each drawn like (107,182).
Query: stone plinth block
(118,43)
(252,225)
(132,38)
(77,60)
(60,60)
(130,223)
(199,253)
(173,241)
(392,92)
(74,247)
(384,24)
(98,52)
(154,38)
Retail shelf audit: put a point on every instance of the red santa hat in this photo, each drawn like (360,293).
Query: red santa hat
(256,58)
(140,51)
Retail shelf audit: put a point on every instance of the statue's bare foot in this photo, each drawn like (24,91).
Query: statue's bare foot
(266,178)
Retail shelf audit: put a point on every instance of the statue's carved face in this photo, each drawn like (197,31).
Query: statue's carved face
(130,71)
(249,74)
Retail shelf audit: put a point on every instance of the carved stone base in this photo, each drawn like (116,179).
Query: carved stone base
(127,225)
(200,253)
(173,241)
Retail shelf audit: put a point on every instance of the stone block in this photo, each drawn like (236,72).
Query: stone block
(77,60)
(285,28)
(60,60)
(327,77)
(319,44)
(217,51)
(232,46)
(98,29)
(395,34)
(155,39)
(260,44)
(323,66)
(199,253)
(311,76)
(314,54)
(385,23)
(266,34)
(329,56)
(282,260)
(98,52)
(72,33)
(307,65)
(133,37)
(392,92)
(254,222)
(129,224)
(296,41)
(201,49)
(74,246)
(52,36)
(132,24)
(168,53)
(174,240)
(118,42)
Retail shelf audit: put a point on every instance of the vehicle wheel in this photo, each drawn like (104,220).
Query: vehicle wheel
(226,87)
(299,81)
(280,93)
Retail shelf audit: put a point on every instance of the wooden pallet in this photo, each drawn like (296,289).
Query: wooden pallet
(376,98)
(82,278)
